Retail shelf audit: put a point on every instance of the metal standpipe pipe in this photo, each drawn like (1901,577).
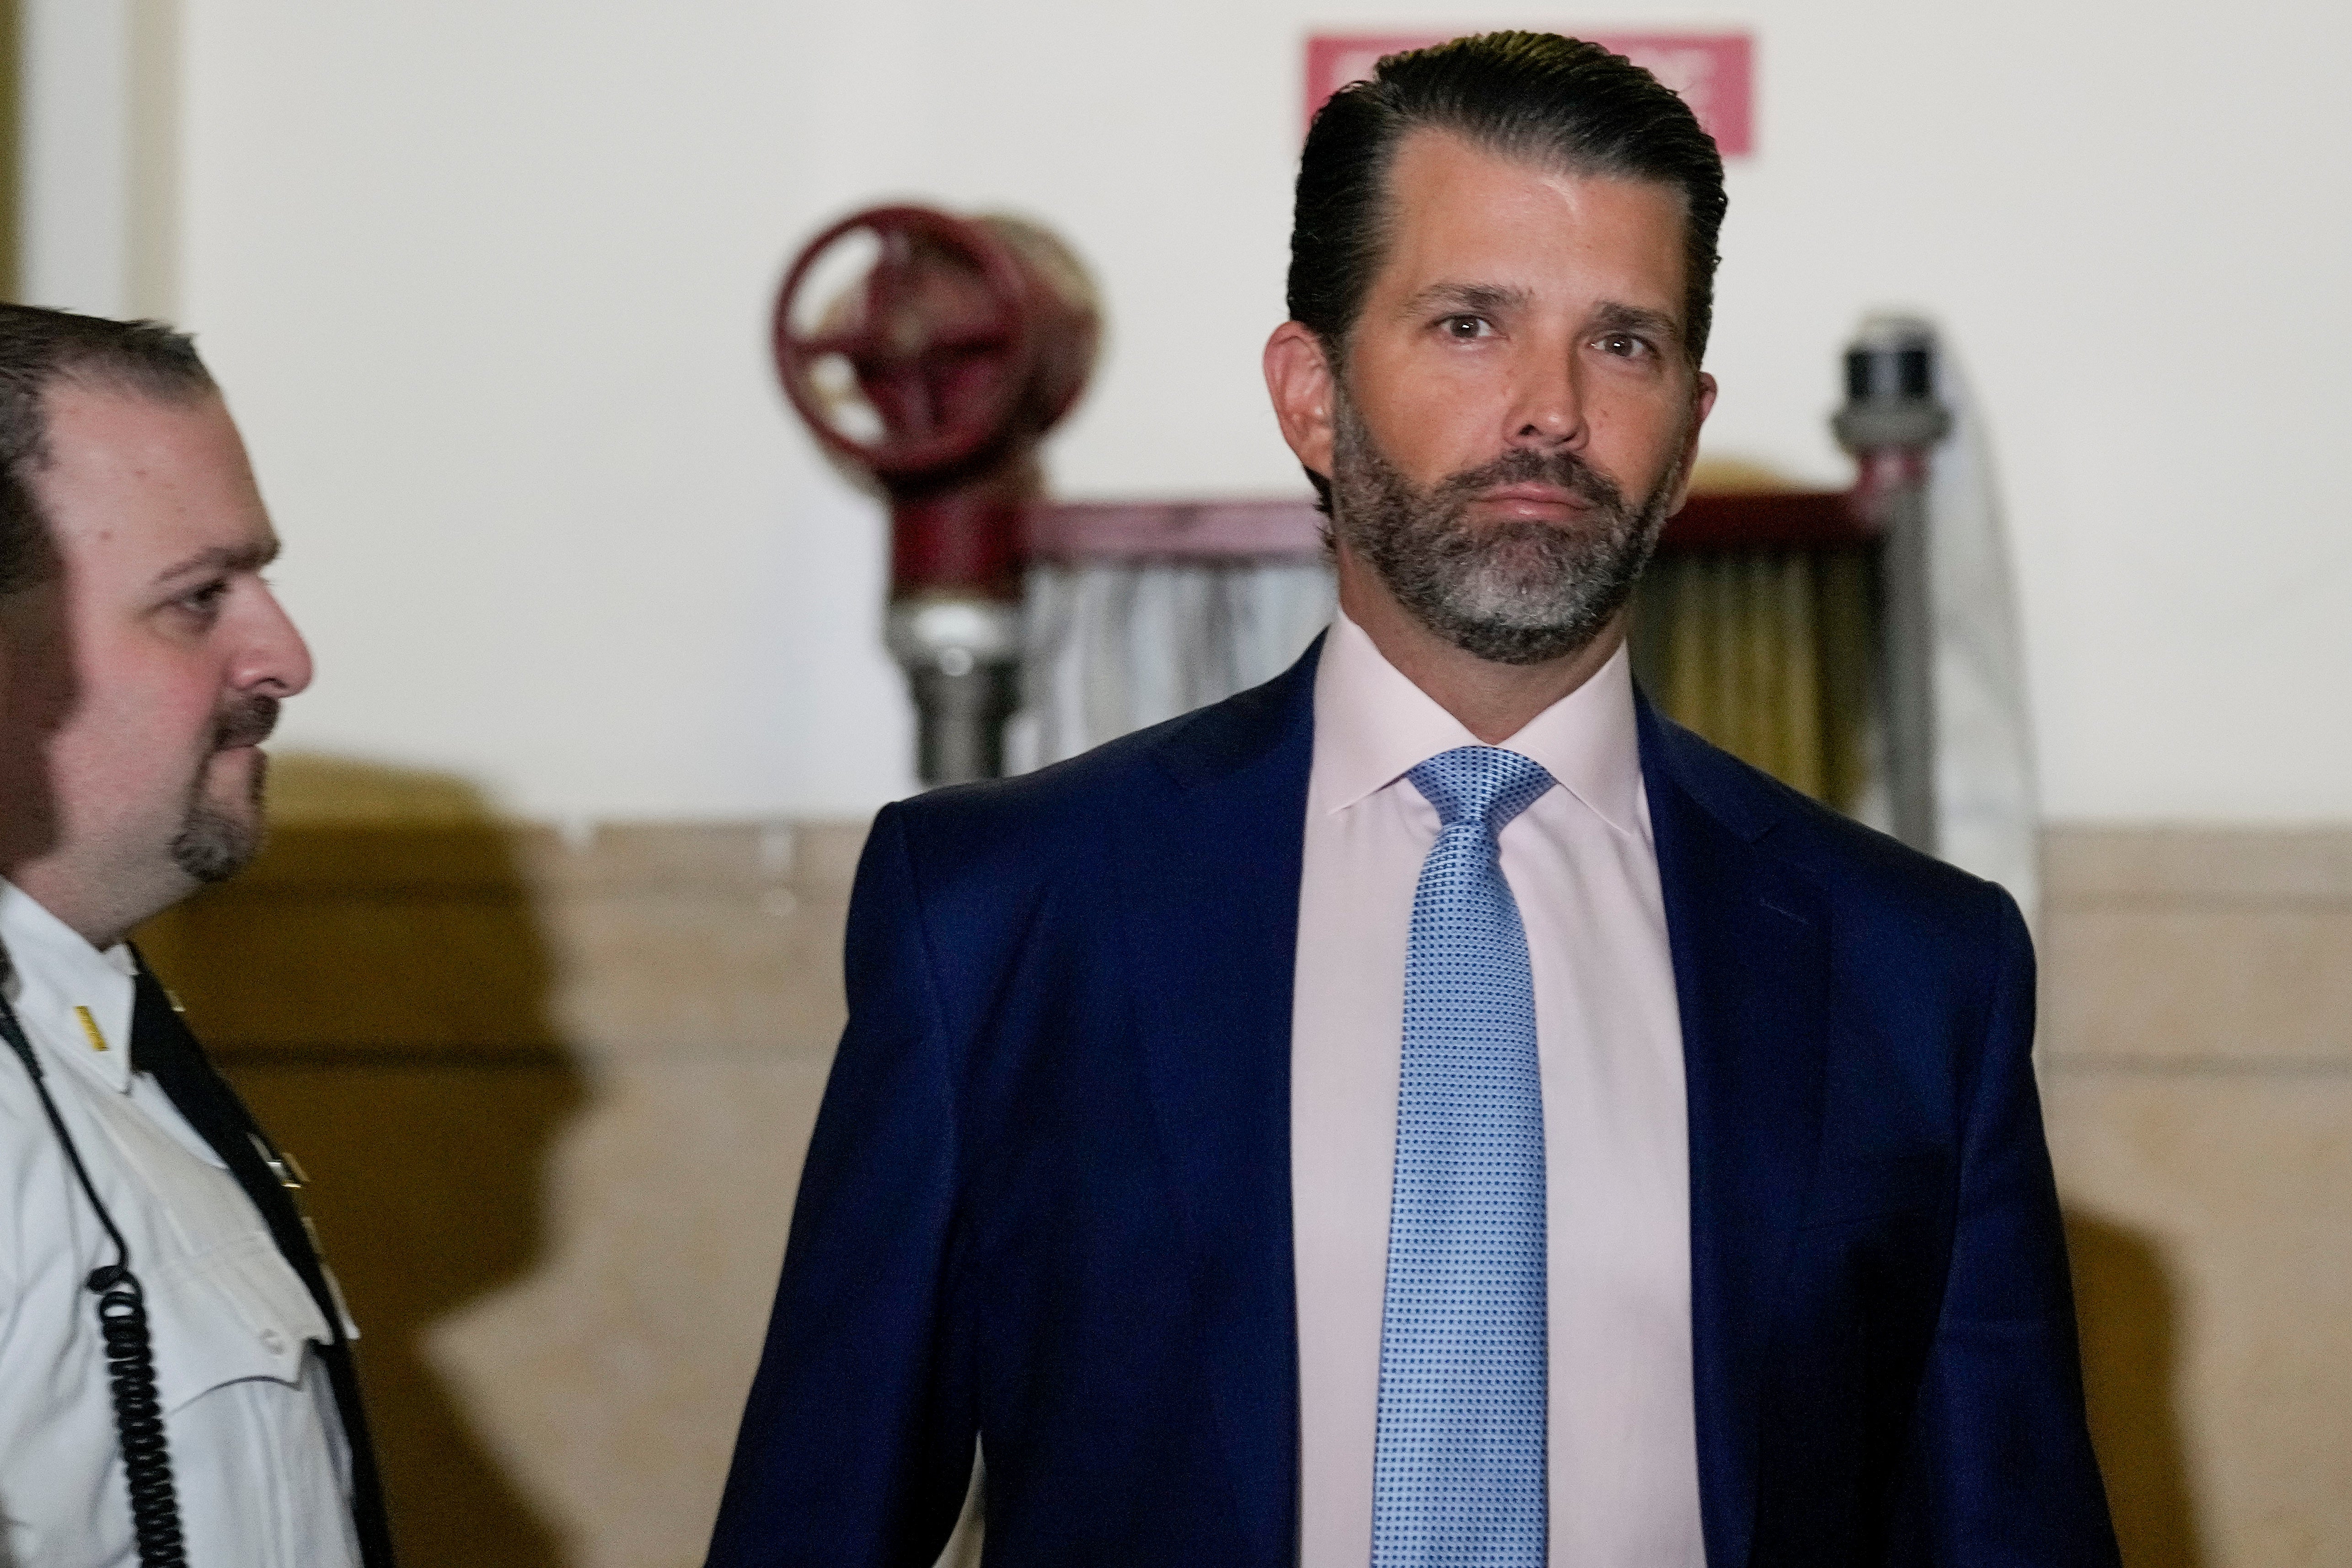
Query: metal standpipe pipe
(1891,423)
(962,657)
(954,619)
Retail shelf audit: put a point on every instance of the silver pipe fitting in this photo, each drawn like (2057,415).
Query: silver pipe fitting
(962,659)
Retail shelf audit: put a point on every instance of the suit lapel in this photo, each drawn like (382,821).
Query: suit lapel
(1749,941)
(1208,884)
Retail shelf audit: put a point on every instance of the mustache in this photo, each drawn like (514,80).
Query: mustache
(245,721)
(1525,466)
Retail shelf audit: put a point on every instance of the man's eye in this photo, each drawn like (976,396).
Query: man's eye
(1464,328)
(1623,345)
(204,600)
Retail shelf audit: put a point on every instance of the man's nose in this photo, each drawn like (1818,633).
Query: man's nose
(274,658)
(1548,406)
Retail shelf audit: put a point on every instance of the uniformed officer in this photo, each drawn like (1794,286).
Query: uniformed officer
(215,1416)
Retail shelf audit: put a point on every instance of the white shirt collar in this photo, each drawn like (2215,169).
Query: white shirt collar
(1373,725)
(56,978)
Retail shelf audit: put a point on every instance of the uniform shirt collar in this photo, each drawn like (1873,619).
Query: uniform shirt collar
(1373,725)
(54,972)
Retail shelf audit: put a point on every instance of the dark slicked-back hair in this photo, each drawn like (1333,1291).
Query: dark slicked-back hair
(40,348)
(1537,98)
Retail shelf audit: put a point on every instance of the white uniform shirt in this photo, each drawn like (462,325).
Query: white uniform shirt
(258,1448)
(1622,1456)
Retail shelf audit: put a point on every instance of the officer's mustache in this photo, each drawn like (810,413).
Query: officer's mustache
(244,721)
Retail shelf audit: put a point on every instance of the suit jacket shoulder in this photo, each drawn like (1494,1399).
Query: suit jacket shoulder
(1006,834)
(1873,882)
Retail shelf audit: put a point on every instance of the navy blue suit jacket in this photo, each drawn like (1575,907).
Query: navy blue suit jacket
(1048,1201)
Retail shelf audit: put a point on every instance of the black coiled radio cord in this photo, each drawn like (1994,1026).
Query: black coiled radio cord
(130,1349)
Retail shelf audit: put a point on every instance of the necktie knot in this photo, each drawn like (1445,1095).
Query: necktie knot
(1481,785)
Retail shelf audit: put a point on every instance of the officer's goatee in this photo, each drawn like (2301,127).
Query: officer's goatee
(215,844)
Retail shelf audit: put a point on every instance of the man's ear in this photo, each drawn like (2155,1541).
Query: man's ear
(1702,403)
(1298,379)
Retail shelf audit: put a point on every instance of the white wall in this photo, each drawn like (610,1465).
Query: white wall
(75,158)
(488,279)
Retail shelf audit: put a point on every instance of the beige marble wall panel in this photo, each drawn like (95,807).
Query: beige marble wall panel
(2171,945)
(657,974)
(2205,866)
(609,1381)
(562,1087)
(702,940)
(2183,982)
(2197,990)
(2220,1205)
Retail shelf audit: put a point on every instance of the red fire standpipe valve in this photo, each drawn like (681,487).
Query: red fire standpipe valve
(1891,422)
(935,374)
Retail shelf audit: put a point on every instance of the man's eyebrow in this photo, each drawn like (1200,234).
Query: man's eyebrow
(223,557)
(1613,316)
(1467,299)
(1494,298)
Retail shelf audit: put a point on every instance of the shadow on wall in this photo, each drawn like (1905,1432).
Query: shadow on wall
(2130,1339)
(376,985)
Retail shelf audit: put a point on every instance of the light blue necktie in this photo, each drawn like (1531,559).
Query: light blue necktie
(1458,1470)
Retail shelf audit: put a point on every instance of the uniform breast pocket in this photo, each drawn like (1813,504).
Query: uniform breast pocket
(235,1312)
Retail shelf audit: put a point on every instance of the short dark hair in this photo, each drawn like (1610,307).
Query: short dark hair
(1537,97)
(40,348)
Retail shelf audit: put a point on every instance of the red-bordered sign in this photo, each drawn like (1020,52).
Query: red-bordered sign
(1713,71)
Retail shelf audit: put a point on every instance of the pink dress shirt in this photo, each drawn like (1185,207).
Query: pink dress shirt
(1622,1454)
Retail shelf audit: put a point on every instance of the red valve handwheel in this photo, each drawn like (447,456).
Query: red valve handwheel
(944,342)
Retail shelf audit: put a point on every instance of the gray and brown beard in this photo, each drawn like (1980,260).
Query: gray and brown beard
(212,845)
(1512,592)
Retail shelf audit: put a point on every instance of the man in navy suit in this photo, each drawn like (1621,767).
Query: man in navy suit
(1429,1109)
